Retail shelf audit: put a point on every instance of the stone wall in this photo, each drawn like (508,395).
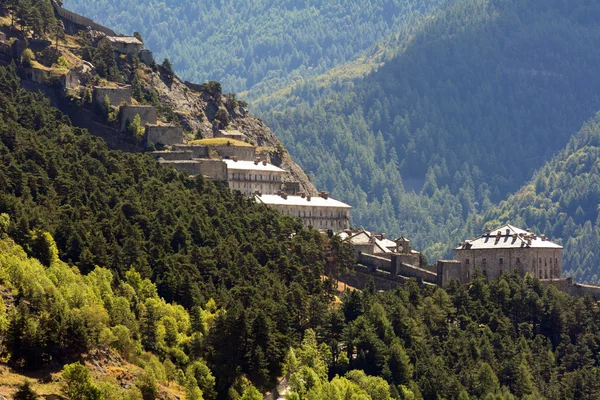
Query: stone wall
(291,188)
(146,57)
(80,20)
(214,169)
(116,95)
(173,155)
(243,153)
(148,115)
(164,134)
(197,151)
(448,270)
(410,271)
(573,288)
(543,263)
(375,262)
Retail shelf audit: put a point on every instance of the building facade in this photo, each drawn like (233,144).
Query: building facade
(320,212)
(507,249)
(250,177)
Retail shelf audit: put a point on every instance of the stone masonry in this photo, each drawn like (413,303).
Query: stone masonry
(164,134)
(148,115)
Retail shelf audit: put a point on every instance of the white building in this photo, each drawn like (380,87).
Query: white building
(251,176)
(320,212)
(509,248)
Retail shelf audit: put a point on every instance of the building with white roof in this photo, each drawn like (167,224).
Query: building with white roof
(125,44)
(320,212)
(250,177)
(509,248)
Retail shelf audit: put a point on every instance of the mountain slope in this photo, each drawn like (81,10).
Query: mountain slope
(192,237)
(481,97)
(242,44)
(563,200)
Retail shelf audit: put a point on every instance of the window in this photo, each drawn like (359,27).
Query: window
(501,261)
(518,260)
(483,261)
(467,261)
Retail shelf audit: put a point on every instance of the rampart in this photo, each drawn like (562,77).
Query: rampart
(116,95)
(80,20)
(243,153)
(164,134)
(173,155)
(148,115)
(448,270)
(214,169)
(573,288)
(146,57)
(383,280)
(197,151)
(396,266)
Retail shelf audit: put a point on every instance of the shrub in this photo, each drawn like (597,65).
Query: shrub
(25,392)
(27,57)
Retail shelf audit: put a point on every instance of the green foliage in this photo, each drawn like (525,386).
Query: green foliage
(258,44)
(27,57)
(165,237)
(104,61)
(135,128)
(562,201)
(25,392)
(62,62)
(426,144)
(168,71)
(78,383)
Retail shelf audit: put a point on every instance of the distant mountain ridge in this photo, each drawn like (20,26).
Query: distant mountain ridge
(245,44)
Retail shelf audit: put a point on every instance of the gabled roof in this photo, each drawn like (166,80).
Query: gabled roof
(124,40)
(299,201)
(251,166)
(508,237)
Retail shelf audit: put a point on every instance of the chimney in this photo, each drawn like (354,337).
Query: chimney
(383,236)
(507,232)
(302,195)
(324,195)
(488,232)
(256,160)
(264,162)
(234,158)
(308,198)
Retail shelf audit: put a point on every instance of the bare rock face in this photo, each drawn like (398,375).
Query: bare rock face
(203,110)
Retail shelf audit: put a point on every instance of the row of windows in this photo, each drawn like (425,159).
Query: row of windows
(517,261)
(257,177)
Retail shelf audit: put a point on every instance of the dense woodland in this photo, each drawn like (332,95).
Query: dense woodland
(484,94)
(256,45)
(562,200)
(479,95)
(102,249)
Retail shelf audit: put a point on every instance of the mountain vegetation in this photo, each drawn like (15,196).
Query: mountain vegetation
(562,200)
(482,96)
(258,45)
(65,196)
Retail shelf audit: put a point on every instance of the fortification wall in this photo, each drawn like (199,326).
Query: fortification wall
(411,271)
(214,169)
(448,270)
(197,151)
(116,95)
(375,262)
(164,134)
(146,57)
(80,20)
(242,153)
(573,288)
(148,115)
(173,155)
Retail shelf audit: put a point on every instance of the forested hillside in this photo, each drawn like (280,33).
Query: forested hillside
(562,200)
(242,44)
(194,239)
(482,96)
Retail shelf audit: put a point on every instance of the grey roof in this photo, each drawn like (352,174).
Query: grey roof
(316,201)
(250,166)
(124,40)
(508,237)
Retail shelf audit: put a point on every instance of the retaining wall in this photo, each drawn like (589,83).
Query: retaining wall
(148,115)
(214,169)
(164,134)
(173,155)
(243,153)
(197,151)
(80,20)
(116,95)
